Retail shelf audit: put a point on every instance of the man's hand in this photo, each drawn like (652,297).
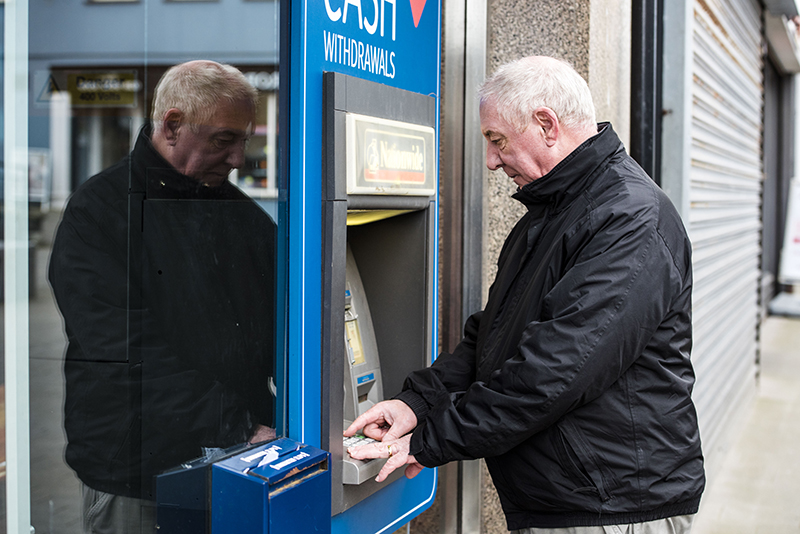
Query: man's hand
(396,452)
(262,433)
(386,421)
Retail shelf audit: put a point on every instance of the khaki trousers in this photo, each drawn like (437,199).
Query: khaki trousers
(671,525)
(106,513)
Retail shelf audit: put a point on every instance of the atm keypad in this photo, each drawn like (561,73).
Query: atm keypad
(359,471)
(357,441)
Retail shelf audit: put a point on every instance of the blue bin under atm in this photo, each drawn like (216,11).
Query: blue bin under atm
(183,494)
(278,487)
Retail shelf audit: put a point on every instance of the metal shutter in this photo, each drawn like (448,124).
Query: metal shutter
(725,213)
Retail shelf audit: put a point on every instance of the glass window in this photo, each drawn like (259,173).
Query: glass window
(153,231)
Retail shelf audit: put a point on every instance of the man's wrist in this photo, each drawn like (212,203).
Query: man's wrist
(415,402)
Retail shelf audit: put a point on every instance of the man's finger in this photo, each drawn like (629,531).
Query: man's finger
(391,435)
(414,469)
(391,464)
(371,450)
(360,422)
(375,431)
(352,429)
(361,453)
(373,416)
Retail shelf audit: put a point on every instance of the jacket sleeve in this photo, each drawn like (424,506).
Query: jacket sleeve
(447,379)
(597,319)
(451,374)
(87,273)
(90,279)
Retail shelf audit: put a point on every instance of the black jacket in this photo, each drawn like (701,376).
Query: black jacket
(166,289)
(574,382)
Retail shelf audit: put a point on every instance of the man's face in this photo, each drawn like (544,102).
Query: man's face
(520,155)
(214,149)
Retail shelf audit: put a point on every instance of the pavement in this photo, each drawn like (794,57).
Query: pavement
(756,488)
(55,490)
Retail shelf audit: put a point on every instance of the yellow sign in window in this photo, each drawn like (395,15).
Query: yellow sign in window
(103,89)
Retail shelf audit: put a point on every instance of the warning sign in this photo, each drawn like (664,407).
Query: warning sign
(103,89)
(46,94)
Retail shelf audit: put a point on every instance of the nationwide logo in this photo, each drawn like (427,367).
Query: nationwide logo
(393,158)
(389,157)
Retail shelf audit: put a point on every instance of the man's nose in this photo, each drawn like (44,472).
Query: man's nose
(493,160)
(236,156)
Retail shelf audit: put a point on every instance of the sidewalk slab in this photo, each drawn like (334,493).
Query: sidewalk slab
(757,488)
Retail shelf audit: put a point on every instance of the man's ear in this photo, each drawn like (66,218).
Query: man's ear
(171,125)
(546,120)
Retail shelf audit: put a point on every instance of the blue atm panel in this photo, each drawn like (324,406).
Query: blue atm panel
(378,67)
(278,487)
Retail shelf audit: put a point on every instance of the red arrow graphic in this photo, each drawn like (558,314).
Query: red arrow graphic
(416,10)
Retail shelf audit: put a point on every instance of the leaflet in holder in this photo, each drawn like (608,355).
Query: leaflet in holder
(274,460)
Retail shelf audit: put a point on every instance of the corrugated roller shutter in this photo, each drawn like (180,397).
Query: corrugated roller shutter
(725,216)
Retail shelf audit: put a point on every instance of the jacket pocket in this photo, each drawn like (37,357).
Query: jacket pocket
(121,452)
(579,467)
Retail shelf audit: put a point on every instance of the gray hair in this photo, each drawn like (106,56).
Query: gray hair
(197,87)
(518,88)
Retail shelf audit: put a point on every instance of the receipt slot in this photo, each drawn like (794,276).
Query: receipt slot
(379,219)
(278,487)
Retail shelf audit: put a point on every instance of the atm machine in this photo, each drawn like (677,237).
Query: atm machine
(379,187)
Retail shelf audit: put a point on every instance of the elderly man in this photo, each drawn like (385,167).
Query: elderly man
(163,272)
(574,383)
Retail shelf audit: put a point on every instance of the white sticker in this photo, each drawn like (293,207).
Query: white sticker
(272,450)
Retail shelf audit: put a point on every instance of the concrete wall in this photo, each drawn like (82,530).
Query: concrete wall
(610,63)
(594,36)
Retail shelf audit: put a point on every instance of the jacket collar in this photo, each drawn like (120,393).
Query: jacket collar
(154,176)
(573,174)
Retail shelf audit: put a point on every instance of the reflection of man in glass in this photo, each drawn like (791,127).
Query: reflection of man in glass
(163,271)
